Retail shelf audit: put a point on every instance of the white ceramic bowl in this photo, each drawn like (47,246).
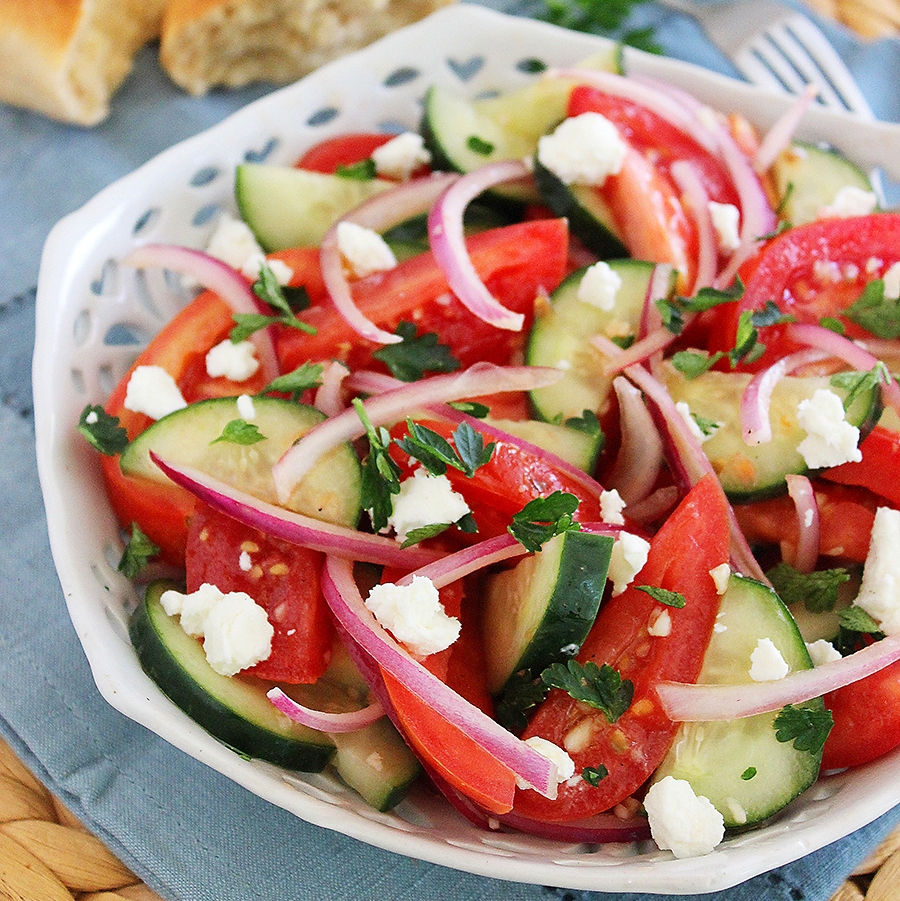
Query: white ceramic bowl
(92,317)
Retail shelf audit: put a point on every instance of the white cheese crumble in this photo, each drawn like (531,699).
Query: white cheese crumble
(892,281)
(850,201)
(599,286)
(233,243)
(879,593)
(830,440)
(401,156)
(721,576)
(565,766)
(235,361)
(726,219)
(153,392)
(701,436)
(246,408)
(424,500)
(364,250)
(766,662)
(236,631)
(661,626)
(827,271)
(414,615)
(822,651)
(629,554)
(611,507)
(680,821)
(583,149)
(245,562)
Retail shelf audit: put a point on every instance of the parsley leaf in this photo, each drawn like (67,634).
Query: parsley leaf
(267,289)
(594,775)
(597,686)
(587,423)
(876,313)
(543,518)
(805,727)
(470,408)
(818,590)
(693,363)
(435,453)
(415,355)
(414,536)
(364,170)
(380,474)
(102,431)
(239,431)
(139,550)
(663,595)
(479,145)
(673,309)
(855,619)
(855,383)
(749,773)
(521,694)
(308,375)
(607,17)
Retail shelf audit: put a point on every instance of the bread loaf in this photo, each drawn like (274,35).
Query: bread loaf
(65,58)
(207,43)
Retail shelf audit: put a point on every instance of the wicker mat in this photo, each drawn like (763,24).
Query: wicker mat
(47,855)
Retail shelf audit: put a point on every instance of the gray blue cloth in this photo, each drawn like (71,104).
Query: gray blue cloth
(189,832)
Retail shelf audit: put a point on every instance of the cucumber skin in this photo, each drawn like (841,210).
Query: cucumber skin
(223,723)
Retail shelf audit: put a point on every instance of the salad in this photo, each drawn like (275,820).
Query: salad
(540,455)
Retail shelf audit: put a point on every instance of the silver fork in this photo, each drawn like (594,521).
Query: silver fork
(775,47)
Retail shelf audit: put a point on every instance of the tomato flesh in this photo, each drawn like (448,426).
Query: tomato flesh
(343,150)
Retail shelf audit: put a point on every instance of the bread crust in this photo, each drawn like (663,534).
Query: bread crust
(65,58)
(229,43)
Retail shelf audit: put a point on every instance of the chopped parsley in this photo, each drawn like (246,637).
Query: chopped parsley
(663,595)
(239,431)
(380,473)
(876,313)
(364,170)
(807,728)
(479,145)
(543,518)
(306,376)
(597,686)
(102,431)
(817,590)
(749,773)
(467,453)
(594,775)
(856,619)
(139,551)
(267,289)
(414,356)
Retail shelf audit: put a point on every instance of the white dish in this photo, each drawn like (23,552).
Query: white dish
(92,317)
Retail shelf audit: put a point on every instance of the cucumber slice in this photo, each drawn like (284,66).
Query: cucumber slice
(752,472)
(807,177)
(288,207)
(575,446)
(235,710)
(331,491)
(540,611)
(740,765)
(560,337)
(377,763)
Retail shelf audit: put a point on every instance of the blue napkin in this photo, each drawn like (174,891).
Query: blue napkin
(189,832)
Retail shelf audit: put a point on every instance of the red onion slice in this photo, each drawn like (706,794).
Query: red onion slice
(379,213)
(698,205)
(390,406)
(779,136)
(322,721)
(294,527)
(462,563)
(639,352)
(448,243)
(801,493)
(328,396)
(683,702)
(233,287)
(346,603)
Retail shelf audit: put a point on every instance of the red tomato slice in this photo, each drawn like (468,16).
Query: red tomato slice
(813,272)
(846,515)
(280,577)
(515,262)
(866,719)
(692,541)
(878,468)
(180,348)
(343,150)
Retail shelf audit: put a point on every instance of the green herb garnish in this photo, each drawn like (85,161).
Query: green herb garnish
(102,431)
(543,518)
(414,356)
(597,686)
(806,728)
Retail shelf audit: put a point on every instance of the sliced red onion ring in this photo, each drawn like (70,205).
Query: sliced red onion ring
(322,721)
(294,527)
(844,349)
(328,397)
(801,493)
(390,406)
(346,603)
(461,563)
(779,136)
(448,243)
(640,454)
(212,273)
(683,702)
(379,213)
(698,205)
(639,352)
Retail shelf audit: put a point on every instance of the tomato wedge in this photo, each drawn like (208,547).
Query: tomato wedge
(878,468)
(516,262)
(343,150)
(692,541)
(280,577)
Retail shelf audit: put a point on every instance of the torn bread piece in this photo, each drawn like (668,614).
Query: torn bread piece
(66,58)
(209,43)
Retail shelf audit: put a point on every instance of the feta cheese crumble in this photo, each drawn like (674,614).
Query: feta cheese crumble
(830,440)
(234,243)
(822,651)
(879,593)
(565,766)
(726,221)
(401,156)
(698,433)
(611,507)
(892,281)
(236,631)
(629,554)
(414,615)
(153,392)
(766,662)
(425,500)
(850,201)
(680,821)
(599,286)
(583,149)
(246,408)
(721,576)
(364,250)
(661,626)
(235,361)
